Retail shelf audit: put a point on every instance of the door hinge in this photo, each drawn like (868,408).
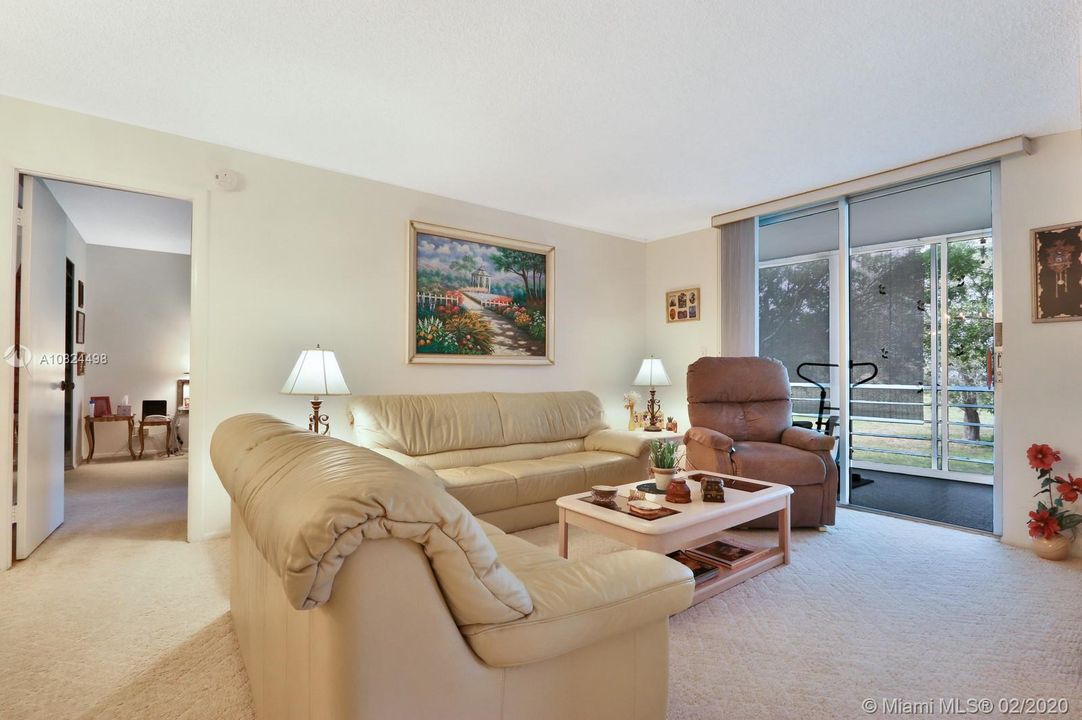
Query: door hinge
(20,217)
(13,516)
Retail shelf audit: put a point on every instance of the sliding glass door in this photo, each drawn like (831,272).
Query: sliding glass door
(896,289)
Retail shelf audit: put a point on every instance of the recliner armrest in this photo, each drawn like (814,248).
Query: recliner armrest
(709,438)
(582,602)
(617,441)
(804,439)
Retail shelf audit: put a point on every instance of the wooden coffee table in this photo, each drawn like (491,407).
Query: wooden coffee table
(695,524)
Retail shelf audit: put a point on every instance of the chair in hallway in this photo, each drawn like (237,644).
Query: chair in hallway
(742,424)
(154,415)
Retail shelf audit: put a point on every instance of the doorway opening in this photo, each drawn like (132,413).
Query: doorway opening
(103,321)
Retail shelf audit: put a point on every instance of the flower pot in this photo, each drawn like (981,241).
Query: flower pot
(663,476)
(1058,547)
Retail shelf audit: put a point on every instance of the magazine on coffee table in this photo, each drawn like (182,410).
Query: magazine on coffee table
(727,552)
(701,570)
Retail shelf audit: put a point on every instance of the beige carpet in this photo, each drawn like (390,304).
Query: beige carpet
(116,617)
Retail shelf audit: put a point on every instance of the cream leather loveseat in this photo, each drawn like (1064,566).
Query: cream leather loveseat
(505,456)
(362,591)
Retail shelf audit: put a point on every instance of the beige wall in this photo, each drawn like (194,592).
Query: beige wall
(1041,396)
(138,312)
(301,255)
(689,260)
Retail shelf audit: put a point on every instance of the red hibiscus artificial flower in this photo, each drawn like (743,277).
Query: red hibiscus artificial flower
(1070,489)
(1043,524)
(1042,457)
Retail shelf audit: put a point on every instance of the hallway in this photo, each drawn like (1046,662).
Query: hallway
(115,615)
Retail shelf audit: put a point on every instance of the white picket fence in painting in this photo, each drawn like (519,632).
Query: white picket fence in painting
(487,300)
(431,300)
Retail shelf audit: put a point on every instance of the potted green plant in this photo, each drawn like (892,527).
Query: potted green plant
(663,462)
(1047,523)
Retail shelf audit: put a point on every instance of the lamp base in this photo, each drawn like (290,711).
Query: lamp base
(653,409)
(316,419)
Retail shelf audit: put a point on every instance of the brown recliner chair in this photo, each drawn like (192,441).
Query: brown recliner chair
(742,424)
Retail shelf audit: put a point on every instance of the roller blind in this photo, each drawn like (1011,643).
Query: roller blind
(810,232)
(935,207)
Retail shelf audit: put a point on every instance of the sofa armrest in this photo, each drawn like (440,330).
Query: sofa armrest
(617,441)
(579,603)
(804,439)
(709,438)
(418,467)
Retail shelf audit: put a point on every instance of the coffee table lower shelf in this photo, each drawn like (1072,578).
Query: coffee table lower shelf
(727,578)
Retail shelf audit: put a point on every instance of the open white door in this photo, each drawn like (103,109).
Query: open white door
(40,475)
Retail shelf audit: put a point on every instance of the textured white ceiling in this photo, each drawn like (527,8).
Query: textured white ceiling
(126,219)
(637,118)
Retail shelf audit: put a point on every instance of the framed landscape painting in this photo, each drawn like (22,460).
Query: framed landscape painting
(479,299)
(1057,273)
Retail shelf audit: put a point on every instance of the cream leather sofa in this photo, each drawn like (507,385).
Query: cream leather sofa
(505,456)
(362,591)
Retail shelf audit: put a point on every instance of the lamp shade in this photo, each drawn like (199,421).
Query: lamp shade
(652,374)
(316,373)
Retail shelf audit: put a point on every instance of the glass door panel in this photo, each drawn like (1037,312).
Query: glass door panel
(794,326)
(969,332)
(892,336)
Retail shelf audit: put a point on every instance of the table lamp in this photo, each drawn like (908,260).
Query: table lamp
(652,374)
(317,374)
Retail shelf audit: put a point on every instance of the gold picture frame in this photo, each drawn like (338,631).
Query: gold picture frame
(1056,260)
(684,305)
(479,299)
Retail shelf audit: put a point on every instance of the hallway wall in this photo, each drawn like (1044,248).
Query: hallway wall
(139,315)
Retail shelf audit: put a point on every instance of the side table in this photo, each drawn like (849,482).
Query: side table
(88,426)
(666,436)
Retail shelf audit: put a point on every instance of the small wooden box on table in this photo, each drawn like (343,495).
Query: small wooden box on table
(696,523)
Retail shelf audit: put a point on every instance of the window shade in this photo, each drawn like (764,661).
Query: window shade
(808,233)
(938,207)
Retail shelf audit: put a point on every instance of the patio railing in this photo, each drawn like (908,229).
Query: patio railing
(919,441)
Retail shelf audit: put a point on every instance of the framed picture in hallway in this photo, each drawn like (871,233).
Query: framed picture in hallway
(80,327)
(479,299)
(1057,272)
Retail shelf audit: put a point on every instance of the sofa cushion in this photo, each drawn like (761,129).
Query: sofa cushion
(548,417)
(540,480)
(777,463)
(425,424)
(604,468)
(480,489)
(507,453)
(428,424)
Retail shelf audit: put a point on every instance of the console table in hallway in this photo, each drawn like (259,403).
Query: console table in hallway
(88,426)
